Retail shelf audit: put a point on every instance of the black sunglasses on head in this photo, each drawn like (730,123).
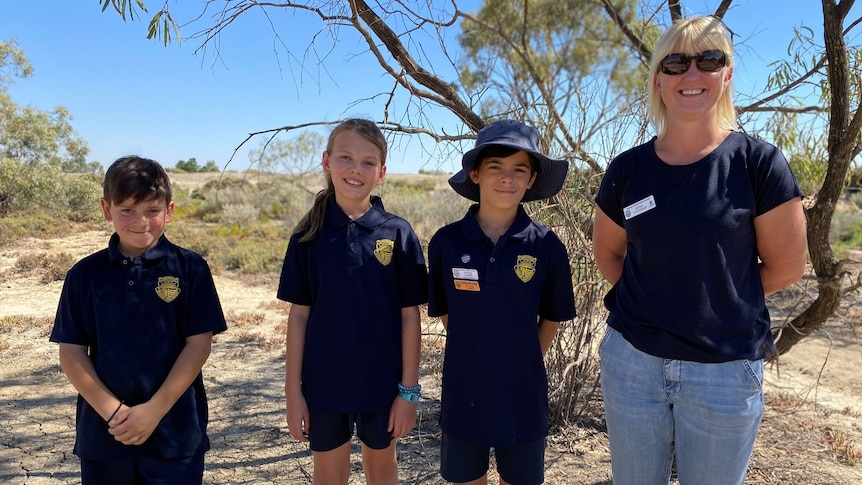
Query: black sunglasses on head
(707,61)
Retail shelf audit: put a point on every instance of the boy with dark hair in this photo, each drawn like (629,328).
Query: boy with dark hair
(135,324)
(501,283)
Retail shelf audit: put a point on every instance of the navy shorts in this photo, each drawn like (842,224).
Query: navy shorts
(519,464)
(187,470)
(331,430)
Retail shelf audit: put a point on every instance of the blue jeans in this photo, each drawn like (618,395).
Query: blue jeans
(708,414)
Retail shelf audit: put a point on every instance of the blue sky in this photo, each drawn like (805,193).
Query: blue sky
(130,95)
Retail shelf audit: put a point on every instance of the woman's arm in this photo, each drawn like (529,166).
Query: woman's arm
(609,246)
(781,245)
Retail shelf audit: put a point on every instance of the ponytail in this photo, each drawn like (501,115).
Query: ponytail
(312,222)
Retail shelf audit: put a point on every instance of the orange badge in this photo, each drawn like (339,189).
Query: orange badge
(466,285)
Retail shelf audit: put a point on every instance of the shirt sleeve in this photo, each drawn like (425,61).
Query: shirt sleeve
(413,277)
(773,180)
(208,315)
(437,303)
(293,285)
(558,300)
(69,326)
(609,198)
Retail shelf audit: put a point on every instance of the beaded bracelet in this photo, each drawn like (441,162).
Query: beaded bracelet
(409,390)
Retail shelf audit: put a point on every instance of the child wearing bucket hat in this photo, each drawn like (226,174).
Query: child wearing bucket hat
(501,283)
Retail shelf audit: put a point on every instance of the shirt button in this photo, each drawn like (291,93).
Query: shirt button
(352,245)
(352,224)
(125,261)
(493,259)
(131,283)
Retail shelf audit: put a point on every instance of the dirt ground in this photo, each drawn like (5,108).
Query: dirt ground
(811,434)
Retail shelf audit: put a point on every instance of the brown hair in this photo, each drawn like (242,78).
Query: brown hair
(312,222)
(136,178)
(502,151)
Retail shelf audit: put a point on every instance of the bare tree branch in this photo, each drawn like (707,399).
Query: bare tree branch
(644,51)
(446,94)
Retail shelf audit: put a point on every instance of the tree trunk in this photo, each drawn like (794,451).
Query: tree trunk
(844,129)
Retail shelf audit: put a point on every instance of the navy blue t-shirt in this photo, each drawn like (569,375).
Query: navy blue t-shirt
(135,315)
(355,276)
(495,388)
(690,287)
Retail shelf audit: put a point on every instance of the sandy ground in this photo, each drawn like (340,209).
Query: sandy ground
(811,434)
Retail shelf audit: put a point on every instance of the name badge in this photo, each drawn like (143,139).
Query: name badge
(465,285)
(465,274)
(639,207)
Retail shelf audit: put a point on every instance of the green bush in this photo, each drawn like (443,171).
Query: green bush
(35,223)
(24,187)
(35,188)
(273,197)
(845,233)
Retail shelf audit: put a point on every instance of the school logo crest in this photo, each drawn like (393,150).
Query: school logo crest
(168,288)
(526,267)
(383,251)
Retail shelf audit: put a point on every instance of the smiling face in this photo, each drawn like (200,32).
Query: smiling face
(139,225)
(687,94)
(503,181)
(694,93)
(355,166)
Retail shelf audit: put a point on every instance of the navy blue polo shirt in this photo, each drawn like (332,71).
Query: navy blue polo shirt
(135,315)
(495,388)
(356,276)
(690,288)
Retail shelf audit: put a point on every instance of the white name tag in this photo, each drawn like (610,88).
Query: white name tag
(639,207)
(465,274)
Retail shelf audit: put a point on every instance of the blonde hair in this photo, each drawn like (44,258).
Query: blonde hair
(690,36)
(312,222)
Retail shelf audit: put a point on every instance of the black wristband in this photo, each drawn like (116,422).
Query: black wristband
(115,412)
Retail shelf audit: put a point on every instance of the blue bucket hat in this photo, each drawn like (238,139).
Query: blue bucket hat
(550,173)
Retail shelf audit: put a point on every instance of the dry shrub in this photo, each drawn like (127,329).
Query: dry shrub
(433,344)
(276,305)
(572,361)
(426,209)
(50,266)
(21,323)
(12,323)
(783,402)
(843,446)
(241,319)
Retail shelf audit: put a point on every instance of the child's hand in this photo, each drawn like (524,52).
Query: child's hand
(297,418)
(134,425)
(402,418)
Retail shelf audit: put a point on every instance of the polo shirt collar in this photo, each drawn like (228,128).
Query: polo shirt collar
(336,218)
(518,229)
(158,251)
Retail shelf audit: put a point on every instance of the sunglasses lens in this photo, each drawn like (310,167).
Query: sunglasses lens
(675,64)
(711,61)
(707,61)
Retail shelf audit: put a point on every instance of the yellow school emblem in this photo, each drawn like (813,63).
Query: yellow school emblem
(168,288)
(526,267)
(383,251)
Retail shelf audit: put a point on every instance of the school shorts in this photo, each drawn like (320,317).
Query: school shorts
(331,430)
(143,470)
(519,464)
